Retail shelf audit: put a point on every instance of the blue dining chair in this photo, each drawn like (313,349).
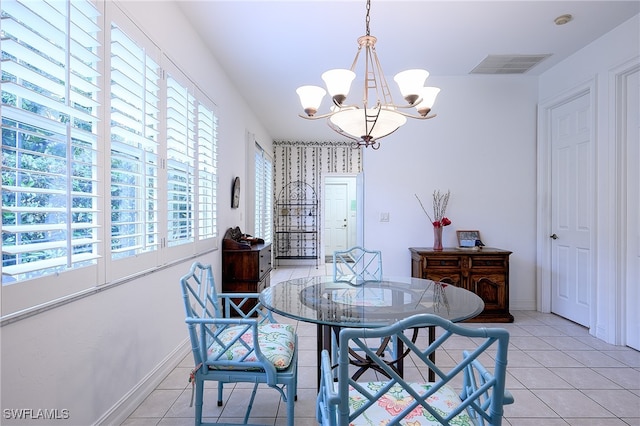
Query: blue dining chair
(357,265)
(477,399)
(234,341)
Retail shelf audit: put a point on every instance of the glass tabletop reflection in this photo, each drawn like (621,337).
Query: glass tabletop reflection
(320,300)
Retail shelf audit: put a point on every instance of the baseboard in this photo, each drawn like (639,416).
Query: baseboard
(132,399)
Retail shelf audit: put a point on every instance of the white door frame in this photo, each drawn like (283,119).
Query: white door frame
(544,188)
(617,81)
(359,206)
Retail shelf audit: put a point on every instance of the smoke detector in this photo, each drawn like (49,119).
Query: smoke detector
(563,19)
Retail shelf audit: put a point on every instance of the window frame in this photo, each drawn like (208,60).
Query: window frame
(263,214)
(31,296)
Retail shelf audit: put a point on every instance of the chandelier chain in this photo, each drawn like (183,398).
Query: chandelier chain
(367,19)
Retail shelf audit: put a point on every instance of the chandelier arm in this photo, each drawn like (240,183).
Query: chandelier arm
(418,117)
(317,117)
(370,119)
(355,60)
(384,86)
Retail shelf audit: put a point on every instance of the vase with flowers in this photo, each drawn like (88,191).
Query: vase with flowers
(439,220)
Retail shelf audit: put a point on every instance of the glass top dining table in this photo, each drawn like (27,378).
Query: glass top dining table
(321,300)
(334,305)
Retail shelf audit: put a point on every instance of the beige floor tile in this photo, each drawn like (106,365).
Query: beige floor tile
(157,404)
(609,421)
(517,358)
(147,421)
(572,403)
(539,378)
(552,358)
(542,330)
(581,378)
(529,343)
(528,405)
(620,402)
(566,343)
(626,377)
(629,357)
(594,359)
(177,379)
(554,421)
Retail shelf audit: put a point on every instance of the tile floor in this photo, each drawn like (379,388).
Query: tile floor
(558,375)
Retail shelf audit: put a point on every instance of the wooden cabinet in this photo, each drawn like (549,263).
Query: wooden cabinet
(484,272)
(246,270)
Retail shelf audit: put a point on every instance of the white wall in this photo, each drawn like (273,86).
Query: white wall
(482,147)
(599,62)
(87,355)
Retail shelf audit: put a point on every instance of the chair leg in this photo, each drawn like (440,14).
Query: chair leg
(199,397)
(219,394)
(253,396)
(291,398)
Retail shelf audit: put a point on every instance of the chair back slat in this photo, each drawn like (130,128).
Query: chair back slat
(199,292)
(357,265)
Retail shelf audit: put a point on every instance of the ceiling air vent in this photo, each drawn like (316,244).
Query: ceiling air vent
(508,64)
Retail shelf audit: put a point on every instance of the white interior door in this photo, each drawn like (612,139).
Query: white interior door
(572,209)
(336,220)
(632,249)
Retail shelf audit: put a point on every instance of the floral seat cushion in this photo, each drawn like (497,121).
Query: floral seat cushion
(393,402)
(277,343)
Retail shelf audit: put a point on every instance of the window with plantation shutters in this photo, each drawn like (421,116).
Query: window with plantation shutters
(180,165)
(264,189)
(135,86)
(50,73)
(207,172)
(95,195)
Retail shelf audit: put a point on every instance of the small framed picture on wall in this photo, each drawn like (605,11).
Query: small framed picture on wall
(235,193)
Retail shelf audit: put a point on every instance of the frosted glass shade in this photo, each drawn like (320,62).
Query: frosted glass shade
(428,95)
(310,98)
(410,82)
(338,83)
(353,122)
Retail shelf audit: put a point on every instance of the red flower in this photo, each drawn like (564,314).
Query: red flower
(440,202)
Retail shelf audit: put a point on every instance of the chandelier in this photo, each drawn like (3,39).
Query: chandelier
(378,116)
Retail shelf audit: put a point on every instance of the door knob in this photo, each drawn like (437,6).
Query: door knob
(553,236)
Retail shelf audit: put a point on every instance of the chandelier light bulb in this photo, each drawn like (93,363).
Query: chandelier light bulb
(310,98)
(410,83)
(338,83)
(428,96)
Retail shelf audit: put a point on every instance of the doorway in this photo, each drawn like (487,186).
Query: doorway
(341,206)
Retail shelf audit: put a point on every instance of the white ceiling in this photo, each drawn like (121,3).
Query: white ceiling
(269,48)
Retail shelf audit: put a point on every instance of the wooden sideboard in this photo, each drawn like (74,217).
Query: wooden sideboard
(247,269)
(483,271)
